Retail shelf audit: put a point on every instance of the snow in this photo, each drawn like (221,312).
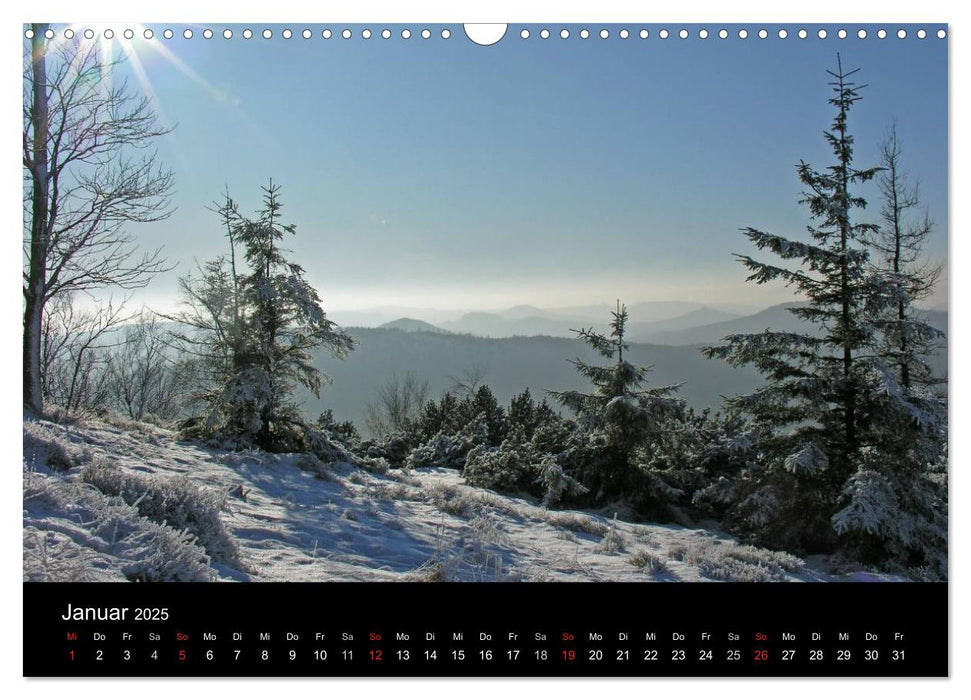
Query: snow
(296,519)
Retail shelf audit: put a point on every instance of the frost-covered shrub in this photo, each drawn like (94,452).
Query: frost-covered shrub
(74,532)
(342,432)
(389,492)
(612,541)
(486,529)
(766,557)
(56,456)
(733,562)
(577,523)
(441,451)
(452,500)
(308,462)
(322,444)
(650,562)
(431,571)
(43,446)
(177,503)
(52,557)
(516,467)
(169,555)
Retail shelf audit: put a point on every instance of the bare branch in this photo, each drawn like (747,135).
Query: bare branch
(90,170)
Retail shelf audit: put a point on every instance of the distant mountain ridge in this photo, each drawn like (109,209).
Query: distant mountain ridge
(776,318)
(655,331)
(412,325)
(648,311)
(491,325)
(661,323)
(647,320)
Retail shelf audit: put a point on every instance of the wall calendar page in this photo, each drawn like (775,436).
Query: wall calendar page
(485,350)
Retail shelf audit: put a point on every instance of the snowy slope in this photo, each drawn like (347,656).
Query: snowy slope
(295,519)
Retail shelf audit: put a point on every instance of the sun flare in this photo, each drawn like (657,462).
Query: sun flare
(136,44)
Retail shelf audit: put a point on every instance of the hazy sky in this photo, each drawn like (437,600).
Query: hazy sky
(550,172)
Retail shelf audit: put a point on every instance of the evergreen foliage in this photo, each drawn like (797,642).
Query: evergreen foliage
(526,415)
(482,403)
(507,467)
(343,432)
(450,450)
(832,427)
(894,506)
(557,485)
(620,415)
(439,417)
(256,322)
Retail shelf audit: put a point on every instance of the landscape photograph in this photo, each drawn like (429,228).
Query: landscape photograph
(579,303)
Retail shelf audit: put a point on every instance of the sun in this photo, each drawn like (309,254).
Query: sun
(136,43)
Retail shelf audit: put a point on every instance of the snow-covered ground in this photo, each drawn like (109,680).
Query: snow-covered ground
(293,518)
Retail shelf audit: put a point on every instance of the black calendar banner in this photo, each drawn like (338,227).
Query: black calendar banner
(411,629)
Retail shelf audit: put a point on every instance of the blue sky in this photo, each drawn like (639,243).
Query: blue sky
(551,172)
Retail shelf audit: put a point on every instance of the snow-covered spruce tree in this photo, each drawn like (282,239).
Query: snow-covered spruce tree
(722,447)
(258,321)
(209,329)
(820,421)
(622,418)
(895,505)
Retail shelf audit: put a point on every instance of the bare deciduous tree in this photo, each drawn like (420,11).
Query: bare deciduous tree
(74,346)
(899,244)
(467,383)
(399,404)
(146,376)
(89,170)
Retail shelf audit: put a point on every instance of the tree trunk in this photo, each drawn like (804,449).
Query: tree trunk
(39,243)
(846,294)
